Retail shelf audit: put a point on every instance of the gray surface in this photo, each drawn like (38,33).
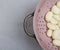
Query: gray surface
(12,14)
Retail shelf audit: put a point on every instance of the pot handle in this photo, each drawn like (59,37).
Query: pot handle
(25,25)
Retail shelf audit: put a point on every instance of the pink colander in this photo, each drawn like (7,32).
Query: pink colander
(40,25)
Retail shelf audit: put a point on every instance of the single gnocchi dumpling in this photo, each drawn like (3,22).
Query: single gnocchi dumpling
(57,17)
(54,21)
(56,42)
(58,4)
(55,10)
(49,33)
(49,16)
(52,26)
(56,34)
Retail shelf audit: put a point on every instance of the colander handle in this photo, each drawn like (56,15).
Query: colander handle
(33,35)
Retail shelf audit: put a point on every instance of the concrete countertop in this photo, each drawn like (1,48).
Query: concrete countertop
(12,35)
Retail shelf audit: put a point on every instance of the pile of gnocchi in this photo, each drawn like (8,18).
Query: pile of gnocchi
(53,23)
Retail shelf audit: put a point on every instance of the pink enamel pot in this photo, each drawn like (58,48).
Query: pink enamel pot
(35,23)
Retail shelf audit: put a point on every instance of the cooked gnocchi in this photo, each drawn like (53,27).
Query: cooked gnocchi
(59,24)
(56,34)
(55,10)
(53,24)
(49,16)
(57,17)
(58,4)
(56,42)
(49,33)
